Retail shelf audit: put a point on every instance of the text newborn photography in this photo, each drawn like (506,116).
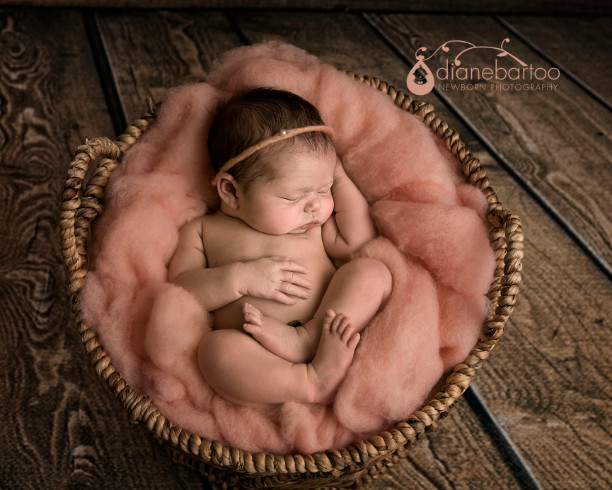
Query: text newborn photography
(501,75)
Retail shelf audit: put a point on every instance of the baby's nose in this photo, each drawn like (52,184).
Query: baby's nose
(313,204)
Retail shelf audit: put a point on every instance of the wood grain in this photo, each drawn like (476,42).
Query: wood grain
(182,51)
(61,428)
(548,381)
(459,456)
(536,6)
(555,141)
(581,45)
(342,40)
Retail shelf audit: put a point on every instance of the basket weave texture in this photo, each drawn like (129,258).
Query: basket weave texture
(361,460)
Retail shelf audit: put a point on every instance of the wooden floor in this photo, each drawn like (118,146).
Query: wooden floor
(540,410)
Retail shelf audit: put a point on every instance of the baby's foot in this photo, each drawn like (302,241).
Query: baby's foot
(276,336)
(334,356)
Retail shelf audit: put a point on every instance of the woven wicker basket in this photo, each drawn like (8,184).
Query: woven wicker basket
(346,467)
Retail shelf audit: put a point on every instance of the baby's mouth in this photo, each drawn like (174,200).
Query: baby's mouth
(310,224)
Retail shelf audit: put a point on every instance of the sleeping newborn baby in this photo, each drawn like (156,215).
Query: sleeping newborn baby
(286,322)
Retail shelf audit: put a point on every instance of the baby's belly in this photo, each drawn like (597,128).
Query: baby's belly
(230,316)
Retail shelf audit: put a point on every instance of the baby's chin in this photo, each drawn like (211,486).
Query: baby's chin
(295,231)
(299,231)
(277,232)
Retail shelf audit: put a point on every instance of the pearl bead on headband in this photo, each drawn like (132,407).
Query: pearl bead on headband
(283,134)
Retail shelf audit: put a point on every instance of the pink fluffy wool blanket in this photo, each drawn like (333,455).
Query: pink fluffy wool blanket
(433,239)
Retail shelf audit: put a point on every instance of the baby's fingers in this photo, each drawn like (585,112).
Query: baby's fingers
(293,290)
(292,266)
(283,298)
(297,279)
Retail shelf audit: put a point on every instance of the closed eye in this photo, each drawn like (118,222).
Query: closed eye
(288,199)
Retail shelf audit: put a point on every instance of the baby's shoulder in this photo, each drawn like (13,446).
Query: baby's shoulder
(218,229)
(216,221)
(191,231)
(208,225)
(198,229)
(202,233)
(205,219)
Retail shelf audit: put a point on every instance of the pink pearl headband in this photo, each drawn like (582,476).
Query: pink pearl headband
(283,134)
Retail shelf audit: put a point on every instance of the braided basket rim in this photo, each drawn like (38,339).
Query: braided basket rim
(79,209)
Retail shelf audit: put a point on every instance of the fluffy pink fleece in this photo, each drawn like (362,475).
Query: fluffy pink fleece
(433,239)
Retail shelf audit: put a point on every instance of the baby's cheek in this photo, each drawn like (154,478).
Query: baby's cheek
(288,220)
(329,207)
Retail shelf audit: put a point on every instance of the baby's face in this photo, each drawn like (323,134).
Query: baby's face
(297,199)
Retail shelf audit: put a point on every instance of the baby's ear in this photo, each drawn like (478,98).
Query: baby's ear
(227,188)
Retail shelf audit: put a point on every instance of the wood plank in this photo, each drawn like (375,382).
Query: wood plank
(529,130)
(459,455)
(182,51)
(342,40)
(336,39)
(473,6)
(61,427)
(548,382)
(582,45)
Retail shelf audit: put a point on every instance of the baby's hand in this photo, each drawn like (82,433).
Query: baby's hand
(339,171)
(275,278)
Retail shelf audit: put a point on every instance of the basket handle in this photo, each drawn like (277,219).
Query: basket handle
(77,211)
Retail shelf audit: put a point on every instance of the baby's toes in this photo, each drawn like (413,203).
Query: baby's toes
(353,341)
(346,330)
(251,328)
(252,319)
(328,319)
(344,323)
(251,314)
(339,320)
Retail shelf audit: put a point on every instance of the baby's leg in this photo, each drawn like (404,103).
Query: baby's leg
(358,289)
(243,371)
(279,338)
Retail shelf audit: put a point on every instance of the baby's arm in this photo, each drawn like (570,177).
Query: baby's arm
(213,288)
(269,277)
(351,226)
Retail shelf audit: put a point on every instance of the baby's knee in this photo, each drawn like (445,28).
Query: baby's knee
(374,271)
(370,267)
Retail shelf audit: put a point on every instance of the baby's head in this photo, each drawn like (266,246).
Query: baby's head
(252,116)
(289,168)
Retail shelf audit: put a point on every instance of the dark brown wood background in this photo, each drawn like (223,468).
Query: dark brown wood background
(540,410)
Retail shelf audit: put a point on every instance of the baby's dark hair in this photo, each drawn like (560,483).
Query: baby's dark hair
(256,114)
